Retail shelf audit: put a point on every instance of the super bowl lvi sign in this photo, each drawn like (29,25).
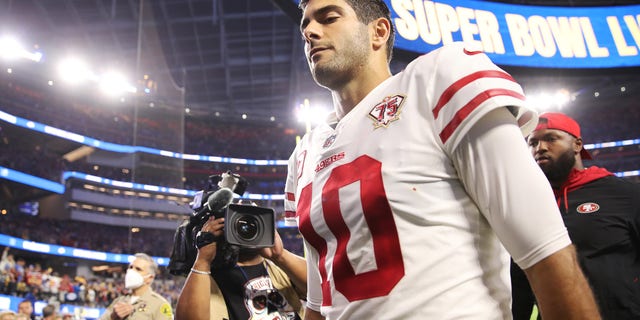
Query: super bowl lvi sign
(519,35)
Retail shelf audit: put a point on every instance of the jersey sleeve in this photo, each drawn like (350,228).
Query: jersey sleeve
(467,85)
(290,187)
(510,190)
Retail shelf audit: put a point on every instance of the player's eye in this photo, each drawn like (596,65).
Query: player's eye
(330,19)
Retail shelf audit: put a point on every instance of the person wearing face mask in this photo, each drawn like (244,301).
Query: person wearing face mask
(142,302)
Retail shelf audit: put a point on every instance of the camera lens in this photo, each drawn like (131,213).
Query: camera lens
(247,227)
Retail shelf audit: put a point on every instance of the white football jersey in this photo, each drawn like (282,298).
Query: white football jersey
(389,229)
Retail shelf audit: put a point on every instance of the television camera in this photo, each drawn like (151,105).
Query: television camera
(247,226)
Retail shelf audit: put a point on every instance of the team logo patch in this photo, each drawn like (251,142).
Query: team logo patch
(386,111)
(588,207)
(300,162)
(327,143)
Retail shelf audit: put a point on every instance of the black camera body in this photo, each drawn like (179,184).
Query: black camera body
(246,226)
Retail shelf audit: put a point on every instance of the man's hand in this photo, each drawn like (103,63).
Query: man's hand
(122,310)
(208,252)
(275,252)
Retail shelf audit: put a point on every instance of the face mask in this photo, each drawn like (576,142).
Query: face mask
(133,279)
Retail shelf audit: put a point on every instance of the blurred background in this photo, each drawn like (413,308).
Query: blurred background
(114,113)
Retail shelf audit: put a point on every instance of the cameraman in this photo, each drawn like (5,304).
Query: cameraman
(265,283)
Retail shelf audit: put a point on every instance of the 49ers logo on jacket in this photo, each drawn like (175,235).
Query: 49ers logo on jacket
(588,207)
(386,111)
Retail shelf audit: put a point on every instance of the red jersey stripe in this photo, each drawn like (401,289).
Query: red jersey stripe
(290,196)
(289,214)
(451,127)
(456,86)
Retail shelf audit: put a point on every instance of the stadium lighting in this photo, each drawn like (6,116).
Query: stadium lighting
(113,83)
(309,115)
(546,101)
(74,70)
(11,49)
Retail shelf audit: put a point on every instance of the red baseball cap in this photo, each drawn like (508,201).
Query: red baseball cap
(560,121)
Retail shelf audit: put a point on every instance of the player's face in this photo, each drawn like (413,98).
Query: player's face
(337,44)
(553,152)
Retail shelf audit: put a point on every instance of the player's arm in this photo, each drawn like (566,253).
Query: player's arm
(557,277)
(310,314)
(513,194)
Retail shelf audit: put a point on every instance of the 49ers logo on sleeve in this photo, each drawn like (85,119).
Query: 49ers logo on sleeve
(386,111)
(588,207)
(300,162)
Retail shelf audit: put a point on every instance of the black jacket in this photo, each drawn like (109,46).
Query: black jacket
(602,214)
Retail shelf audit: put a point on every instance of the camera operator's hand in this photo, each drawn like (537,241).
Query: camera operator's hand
(207,253)
(275,252)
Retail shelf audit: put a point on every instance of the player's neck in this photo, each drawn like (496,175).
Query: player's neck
(349,95)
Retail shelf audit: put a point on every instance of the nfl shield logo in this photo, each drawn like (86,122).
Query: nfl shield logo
(330,140)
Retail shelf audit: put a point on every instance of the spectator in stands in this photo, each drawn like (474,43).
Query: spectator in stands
(25,307)
(143,302)
(253,288)
(7,272)
(601,213)
(7,315)
(21,285)
(49,312)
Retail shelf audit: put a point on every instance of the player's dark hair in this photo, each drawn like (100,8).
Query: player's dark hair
(367,11)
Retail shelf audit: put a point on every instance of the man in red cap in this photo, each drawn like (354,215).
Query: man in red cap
(601,213)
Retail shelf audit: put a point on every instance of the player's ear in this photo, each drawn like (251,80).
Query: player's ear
(577,145)
(381,33)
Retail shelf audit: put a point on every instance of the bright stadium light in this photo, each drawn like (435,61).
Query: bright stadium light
(545,101)
(309,115)
(114,83)
(11,49)
(74,70)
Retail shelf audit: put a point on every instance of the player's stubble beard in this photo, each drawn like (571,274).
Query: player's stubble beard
(337,70)
(557,171)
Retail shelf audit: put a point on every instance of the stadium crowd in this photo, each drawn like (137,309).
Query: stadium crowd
(23,276)
(116,125)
